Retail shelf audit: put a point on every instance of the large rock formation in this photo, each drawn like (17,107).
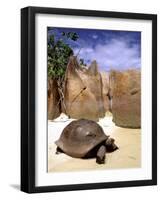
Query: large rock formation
(105,90)
(53,99)
(83,91)
(89,94)
(126,98)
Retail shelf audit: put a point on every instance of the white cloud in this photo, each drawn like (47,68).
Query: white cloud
(94,36)
(116,54)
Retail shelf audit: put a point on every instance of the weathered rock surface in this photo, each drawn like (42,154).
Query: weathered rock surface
(126,98)
(89,94)
(83,91)
(53,99)
(105,90)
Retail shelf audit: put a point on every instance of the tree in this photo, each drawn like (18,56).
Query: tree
(59,52)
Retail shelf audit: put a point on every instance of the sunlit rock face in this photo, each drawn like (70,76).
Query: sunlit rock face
(89,94)
(53,99)
(105,91)
(83,91)
(126,98)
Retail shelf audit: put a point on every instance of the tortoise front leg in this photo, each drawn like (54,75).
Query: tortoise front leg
(100,157)
(110,144)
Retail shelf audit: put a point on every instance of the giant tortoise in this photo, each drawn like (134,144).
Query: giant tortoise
(85,139)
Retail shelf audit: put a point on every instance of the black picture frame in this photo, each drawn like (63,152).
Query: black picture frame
(28,98)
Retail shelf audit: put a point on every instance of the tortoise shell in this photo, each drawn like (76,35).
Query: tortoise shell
(80,136)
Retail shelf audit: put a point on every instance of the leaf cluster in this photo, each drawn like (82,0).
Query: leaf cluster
(58,54)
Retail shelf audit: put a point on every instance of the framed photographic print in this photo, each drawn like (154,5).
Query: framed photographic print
(88,99)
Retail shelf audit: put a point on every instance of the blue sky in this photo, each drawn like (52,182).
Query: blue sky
(119,50)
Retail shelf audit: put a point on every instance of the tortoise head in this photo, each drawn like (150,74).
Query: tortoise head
(110,144)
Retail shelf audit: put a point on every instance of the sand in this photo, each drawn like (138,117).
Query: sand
(127,156)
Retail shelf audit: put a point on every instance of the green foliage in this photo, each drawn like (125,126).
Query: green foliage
(71,35)
(58,54)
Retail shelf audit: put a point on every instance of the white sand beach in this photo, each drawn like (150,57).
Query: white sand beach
(127,156)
